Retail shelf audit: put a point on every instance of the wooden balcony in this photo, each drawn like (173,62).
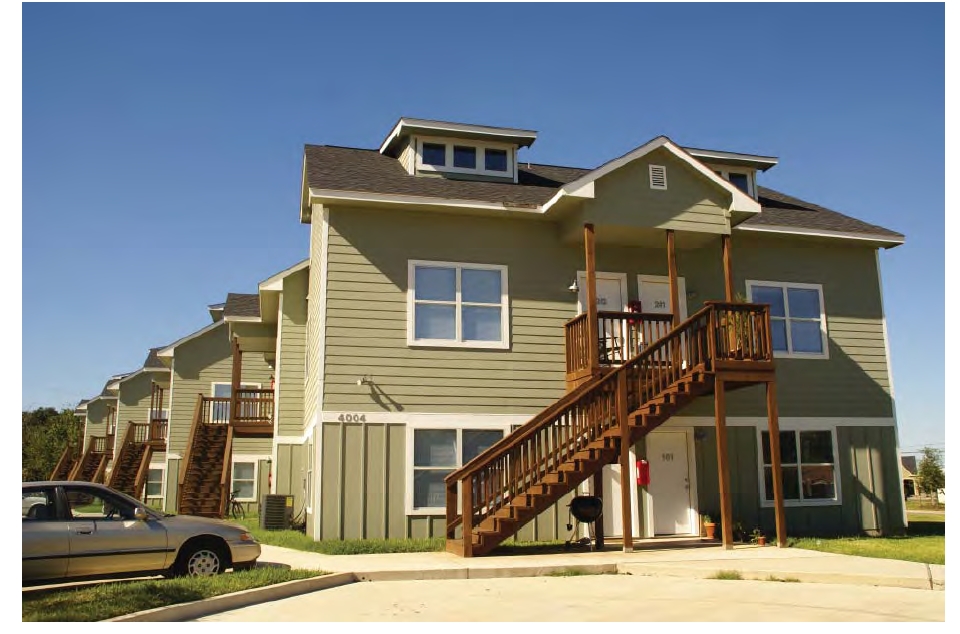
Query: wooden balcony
(253,413)
(154,433)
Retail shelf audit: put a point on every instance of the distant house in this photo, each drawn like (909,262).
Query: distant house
(908,473)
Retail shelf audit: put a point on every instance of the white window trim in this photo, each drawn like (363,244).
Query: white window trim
(255,459)
(459,428)
(836,501)
(503,344)
(481,147)
(790,354)
(163,480)
(750,173)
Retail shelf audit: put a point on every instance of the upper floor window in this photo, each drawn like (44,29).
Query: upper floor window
(464,157)
(453,304)
(744,181)
(797,320)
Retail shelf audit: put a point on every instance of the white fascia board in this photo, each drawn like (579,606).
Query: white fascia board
(275,282)
(242,319)
(168,351)
(323,196)
(821,233)
(763,163)
(445,126)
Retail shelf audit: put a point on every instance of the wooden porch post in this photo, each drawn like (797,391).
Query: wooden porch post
(773,426)
(672,274)
(727,267)
(235,378)
(625,488)
(593,334)
(598,525)
(726,506)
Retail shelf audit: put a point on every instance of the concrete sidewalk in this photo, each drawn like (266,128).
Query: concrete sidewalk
(753,562)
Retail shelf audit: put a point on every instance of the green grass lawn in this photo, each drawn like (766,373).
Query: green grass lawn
(110,599)
(924,542)
(914,504)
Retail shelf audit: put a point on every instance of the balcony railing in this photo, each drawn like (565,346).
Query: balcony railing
(620,336)
(254,407)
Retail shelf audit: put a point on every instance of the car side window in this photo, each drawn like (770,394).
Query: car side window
(39,504)
(91,504)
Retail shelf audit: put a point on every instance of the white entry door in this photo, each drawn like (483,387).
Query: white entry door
(611,291)
(669,483)
(654,293)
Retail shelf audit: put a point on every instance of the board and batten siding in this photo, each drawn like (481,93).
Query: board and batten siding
(868,475)
(133,404)
(290,474)
(199,363)
(292,338)
(363,485)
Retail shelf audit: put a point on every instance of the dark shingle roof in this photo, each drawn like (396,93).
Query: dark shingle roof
(782,210)
(360,170)
(352,169)
(152,361)
(242,305)
(83,403)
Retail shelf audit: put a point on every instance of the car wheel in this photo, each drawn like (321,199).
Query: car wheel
(202,559)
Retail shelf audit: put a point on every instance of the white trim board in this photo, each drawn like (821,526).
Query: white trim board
(426,419)
(822,233)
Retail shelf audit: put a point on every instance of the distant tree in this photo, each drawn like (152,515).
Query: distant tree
(46,432)
(930,476)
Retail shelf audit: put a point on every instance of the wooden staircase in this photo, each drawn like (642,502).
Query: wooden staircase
(68,460)
(205,471)
(92,466)
(531,469)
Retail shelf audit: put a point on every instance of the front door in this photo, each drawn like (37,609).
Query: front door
(669,483)
(654,293)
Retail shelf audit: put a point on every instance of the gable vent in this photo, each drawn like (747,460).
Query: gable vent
(658,177)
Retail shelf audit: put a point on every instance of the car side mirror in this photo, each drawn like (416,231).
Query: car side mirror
(140,513)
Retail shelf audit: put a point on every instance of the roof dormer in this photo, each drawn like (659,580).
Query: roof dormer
(456,150)
(738,169)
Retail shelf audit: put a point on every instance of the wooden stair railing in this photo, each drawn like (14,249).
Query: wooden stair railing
(142,472)
(65,464)
(200,487)
(119,465)
(225,472)
(100,474)
(622,335)
(503,488)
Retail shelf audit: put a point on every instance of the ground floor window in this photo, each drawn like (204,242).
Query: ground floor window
(154,488)
(245,480)
(436,454)
(808,464)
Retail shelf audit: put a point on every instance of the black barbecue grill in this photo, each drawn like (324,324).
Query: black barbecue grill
(586,509)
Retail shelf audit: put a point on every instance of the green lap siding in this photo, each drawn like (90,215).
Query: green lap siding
(96,424)
(867,476)
(134,401)
(200,362)
(292,342)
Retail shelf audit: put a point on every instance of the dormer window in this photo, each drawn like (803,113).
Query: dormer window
(741,179)
(451,156)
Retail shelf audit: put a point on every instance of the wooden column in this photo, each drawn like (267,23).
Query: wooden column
(773,426)
(593,333)
(467,511)
(598,525)
(727,267)
(625,488)
(672,274)
(723,468)
(235,377)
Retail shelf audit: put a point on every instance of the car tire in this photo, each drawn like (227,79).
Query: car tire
(204,558)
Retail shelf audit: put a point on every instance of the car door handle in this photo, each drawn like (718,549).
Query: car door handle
(84,531)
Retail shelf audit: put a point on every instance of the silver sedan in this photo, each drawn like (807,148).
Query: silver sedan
(80,529)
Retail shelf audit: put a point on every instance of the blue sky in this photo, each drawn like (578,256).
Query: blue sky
(162,144)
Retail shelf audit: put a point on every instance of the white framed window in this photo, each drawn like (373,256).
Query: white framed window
(798,321)
(457,305)
(741,178)
(808,467)
(154,486)
(437,154)
(435,451)
(243,478)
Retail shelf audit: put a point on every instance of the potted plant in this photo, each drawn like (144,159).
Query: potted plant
(709,527)
(757,537)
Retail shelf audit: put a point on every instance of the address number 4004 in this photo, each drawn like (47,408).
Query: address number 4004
(352,418)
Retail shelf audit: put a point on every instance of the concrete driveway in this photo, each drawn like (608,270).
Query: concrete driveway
(599,598)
